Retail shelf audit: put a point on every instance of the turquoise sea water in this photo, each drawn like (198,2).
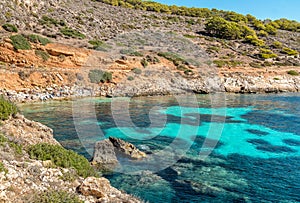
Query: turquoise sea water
(208,148)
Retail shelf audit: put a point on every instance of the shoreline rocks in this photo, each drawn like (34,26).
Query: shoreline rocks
(107,151)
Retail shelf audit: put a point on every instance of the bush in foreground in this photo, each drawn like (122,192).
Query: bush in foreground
(53,196)
(62,157)
(7,109)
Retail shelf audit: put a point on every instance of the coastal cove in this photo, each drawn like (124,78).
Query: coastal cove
(255,157)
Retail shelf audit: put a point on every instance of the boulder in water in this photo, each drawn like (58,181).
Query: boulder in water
(104,155)
(126,149)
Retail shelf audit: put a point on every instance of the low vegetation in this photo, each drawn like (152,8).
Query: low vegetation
(97,76)
(20,42)
(53,196)
(7,109)
(69,32)
(38,39)
(62,158)
(289,51)
(42,54)
(46,20)
(4,141)
(224,63)
(131,52)
(10,28)
(99,45)
(266,54)
(293,72)
(2,168)
(137,71)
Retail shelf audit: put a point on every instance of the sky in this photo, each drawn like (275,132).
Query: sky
(262,9)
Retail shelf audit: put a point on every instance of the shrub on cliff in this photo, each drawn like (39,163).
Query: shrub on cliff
(69,32)
(20,42)
(62,157)
(266,54)
(289,51)
(2,168)
(10,28)
(38,39)
(97,76)
(7,109)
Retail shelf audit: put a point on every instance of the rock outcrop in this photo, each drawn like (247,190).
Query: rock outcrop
(104,155)
(27,132)
(127,149)
(107,151)
(101,189)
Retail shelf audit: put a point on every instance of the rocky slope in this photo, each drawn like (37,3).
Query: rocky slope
(23,179)
(128,45)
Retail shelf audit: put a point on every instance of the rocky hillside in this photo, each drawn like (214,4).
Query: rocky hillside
(60,48)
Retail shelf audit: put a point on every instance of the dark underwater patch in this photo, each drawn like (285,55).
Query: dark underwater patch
(258,142)
(275,149)
(291,142)
(257,132)
(282,123)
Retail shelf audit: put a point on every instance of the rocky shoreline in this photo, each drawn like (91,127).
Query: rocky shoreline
(229,83)
(22,179)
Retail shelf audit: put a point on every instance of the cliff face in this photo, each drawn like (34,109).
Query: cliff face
(23,179)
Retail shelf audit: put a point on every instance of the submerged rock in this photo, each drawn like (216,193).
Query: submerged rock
(127,149)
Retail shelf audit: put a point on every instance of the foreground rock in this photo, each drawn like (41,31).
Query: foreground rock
(27,132)
(101,189)
(23,179)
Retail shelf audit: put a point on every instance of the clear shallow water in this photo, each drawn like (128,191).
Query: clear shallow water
(254,142)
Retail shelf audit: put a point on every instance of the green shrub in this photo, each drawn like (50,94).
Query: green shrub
(43,54)
(20,42)
(72,33)
(293,72)
(137,71)
(175,58)
(266,54)
(52,196)
(289,51)
(10,28)
(144,63)
(46,20)
(17,148)
(263,33)
(277,45)
(62,158)
(97,76)
(255,65)
(270,29)
(188,72)
(222,63)
(99,45)
(130,52)
(253,39)
(290,25)
(38,39)
(7,109)
(2,168)
(130,78)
